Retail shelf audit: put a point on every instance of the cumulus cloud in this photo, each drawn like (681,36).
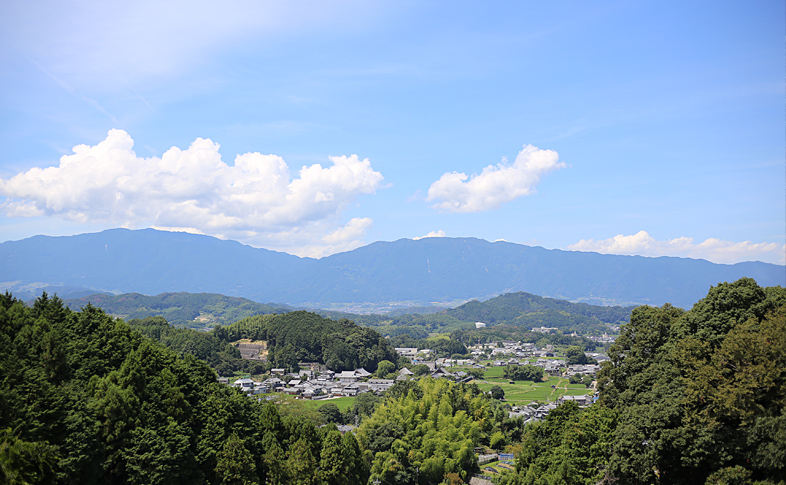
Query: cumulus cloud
(439,233)
(345,238)
(256,201)
(496,184)
(715,250)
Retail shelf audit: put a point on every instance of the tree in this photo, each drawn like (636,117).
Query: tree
(301,464)
(497,392)
(587,381)
(235,464)
(23,462)
(331,413)
(498,440)
(362,407)
(453,479)
(357,469)
(695,390)
(523,373)
(475,373)
(274,460)
(575,355)
(332,465)
(383,436)
(385,367)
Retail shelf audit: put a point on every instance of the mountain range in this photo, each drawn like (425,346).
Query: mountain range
(421,271)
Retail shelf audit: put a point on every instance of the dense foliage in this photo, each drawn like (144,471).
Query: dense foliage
(688,398)
(429,429)
(85,399)
(523,373)
(696,397)
(440,347)
(223,357)
(307,337)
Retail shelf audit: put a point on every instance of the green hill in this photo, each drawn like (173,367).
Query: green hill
(303,336)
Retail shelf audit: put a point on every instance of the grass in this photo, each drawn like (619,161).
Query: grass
(343,403)
(494,372)
(525,392)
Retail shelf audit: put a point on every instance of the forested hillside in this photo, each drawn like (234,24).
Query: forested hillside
(522,310)
(306,337)
(223,357)
(688,398)
(528,310)
(84,399)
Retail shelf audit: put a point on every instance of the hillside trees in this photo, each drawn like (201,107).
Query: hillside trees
(694,397)
(218,353)
(85,399)
(569,446)
(696,390)
(302,336)
(434,430)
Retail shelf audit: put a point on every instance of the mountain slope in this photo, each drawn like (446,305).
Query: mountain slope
(511,307)
(433,269)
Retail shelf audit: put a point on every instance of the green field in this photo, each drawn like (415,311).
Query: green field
(494,372)
(524,392)
(343,403)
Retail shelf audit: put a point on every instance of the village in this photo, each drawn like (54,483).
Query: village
(314,381)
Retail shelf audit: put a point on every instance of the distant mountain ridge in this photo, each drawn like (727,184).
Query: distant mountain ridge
(427,270)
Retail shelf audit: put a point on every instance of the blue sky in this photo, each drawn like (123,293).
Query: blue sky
(652,128)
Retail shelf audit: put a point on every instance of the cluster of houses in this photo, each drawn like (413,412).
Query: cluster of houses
(315,381)
(510,353)
(508,348)
(310,384)
(604,339)
(536,412)
(323,383)
(581,370)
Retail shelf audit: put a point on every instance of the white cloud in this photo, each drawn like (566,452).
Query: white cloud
(439,233)
(344,238)
(496,184)
(256,201)
(715,250)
